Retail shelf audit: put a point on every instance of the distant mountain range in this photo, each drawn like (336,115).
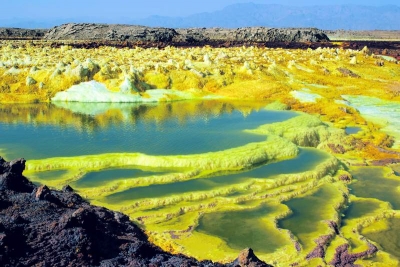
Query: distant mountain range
(349,17)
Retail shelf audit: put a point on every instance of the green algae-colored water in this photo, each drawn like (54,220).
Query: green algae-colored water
(371,183)
(359,209)
(306,160)
(43,131)
(396,169)
(388,239)
(100,177)
(50,175)
(308,214)
(154,130)
(240,229)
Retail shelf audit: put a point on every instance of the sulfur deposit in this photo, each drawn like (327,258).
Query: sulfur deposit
(314,81)
(317,215)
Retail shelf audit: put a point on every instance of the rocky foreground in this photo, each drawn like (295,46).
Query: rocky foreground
(43,227)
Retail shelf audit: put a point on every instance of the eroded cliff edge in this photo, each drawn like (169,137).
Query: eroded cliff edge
(43,227)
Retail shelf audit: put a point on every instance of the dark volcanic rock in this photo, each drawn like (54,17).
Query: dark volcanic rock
(250,34)
(323,241)
(343,258)
(87,31)
(248,259)
(43,227)
(110,32)
(17,33)
(11,176)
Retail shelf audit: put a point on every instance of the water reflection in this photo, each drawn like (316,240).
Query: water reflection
(92,116)
(186,127)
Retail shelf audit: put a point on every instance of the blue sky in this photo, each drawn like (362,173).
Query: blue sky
(112,9)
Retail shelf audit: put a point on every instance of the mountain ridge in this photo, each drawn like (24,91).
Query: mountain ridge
(350,17)
(327,17)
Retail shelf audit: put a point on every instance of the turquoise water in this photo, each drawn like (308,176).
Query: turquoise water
(164,129)
(306,160)
(352,130)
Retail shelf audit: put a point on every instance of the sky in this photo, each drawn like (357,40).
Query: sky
(136,9)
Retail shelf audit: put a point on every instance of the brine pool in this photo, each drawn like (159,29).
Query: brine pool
(41,131)
(165,129)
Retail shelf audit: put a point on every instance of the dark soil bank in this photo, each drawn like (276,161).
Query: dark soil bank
(43,227)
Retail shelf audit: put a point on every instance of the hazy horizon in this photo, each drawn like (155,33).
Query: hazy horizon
(47,14)
(26,13)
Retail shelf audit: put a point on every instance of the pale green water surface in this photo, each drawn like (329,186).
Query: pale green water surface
(372,184)
(241,229)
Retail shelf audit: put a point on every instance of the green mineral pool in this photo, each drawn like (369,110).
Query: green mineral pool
(39,132)
(100,177)
(371,183)
(240,229)
(352,130)
(50,175)
(153,196)
(359,209)
(306,160)
(308,214)
(388,239)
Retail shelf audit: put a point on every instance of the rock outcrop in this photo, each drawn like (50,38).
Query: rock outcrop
(109,32)
(344,258)
(251,34)
(17,33)
(44,227)
(91,31)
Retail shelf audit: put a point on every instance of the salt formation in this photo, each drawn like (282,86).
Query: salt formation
(305,96)
(30,81)
(93,91)
(383,112)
